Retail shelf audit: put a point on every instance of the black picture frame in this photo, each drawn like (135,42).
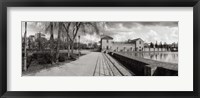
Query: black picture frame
(99,3)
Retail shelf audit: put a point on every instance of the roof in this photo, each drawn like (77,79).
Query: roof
(31,36)
(119,42)
(146,44)
(106,37)
(134,40)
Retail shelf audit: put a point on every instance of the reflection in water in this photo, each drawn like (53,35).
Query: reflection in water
(171,57)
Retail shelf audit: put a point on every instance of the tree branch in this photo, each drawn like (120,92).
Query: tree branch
(67,28)
(77,28)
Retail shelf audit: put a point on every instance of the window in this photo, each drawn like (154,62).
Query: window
(107,47)
(140,42)
(107,41)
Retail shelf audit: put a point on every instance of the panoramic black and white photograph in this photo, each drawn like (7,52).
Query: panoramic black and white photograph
(99,48)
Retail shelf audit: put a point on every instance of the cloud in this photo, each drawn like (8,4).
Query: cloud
(129,25)
(167,24)
(89,38)
(154,33)
(174,32)
(124,36)
(148,31)
(122,31)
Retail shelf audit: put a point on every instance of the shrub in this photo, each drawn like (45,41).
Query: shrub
(73,56)
(42,57)
(62,57)
(45,57)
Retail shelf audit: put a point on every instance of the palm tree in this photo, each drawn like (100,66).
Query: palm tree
(49,27)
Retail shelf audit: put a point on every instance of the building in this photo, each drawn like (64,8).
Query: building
(139,44)
(174,47)
(107,43)
(39,35)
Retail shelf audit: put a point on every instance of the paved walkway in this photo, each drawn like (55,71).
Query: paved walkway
(92,64)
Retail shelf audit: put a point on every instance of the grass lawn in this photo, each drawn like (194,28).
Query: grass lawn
(36,68)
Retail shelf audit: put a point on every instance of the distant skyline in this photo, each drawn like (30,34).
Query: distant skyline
(122,31)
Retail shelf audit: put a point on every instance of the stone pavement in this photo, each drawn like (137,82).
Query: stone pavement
(92,64)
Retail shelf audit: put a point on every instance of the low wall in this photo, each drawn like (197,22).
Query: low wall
(155,49)
(140,68)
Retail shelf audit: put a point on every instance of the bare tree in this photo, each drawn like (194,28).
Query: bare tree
(60,24)
(68,37)
(73,28)
(75,32)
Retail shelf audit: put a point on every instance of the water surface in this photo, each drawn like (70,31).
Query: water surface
(171,57)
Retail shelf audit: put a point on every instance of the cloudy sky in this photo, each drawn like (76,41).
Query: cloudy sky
(148,31)
(122,31)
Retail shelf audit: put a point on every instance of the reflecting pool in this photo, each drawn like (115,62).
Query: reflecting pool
(171,57)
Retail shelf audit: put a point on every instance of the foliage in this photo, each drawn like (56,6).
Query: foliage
(45,57)
(66,36)
(42,57)
(151,45)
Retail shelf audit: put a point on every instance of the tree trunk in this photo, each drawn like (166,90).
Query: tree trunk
(51,43)
(75,31)
(29,43)
(68,50)
(72,47)
(25,55)
(68,38)
(58,41)
(39,42)
(68,47)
